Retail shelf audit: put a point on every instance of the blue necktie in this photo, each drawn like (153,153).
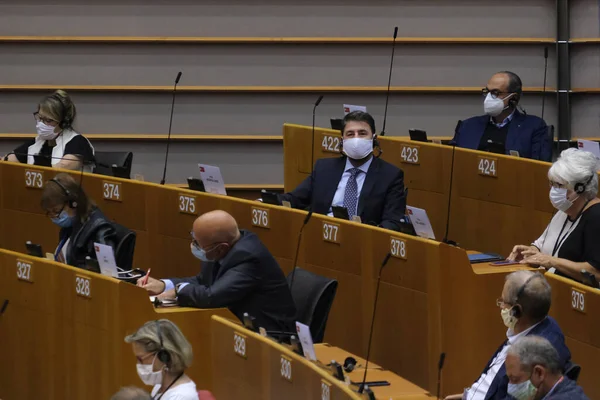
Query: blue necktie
(351,193)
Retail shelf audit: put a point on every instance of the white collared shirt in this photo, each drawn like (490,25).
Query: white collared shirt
(338,198)
(479,389)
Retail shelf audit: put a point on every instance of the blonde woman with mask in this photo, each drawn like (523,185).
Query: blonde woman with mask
(163,354)
(56,143)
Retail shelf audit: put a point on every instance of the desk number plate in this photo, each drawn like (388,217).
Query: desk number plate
(260,217)
(487,166)
(331,143)
(34,179)
(25,270)
(578,300)
(239,344)
(83,286)
(112,191)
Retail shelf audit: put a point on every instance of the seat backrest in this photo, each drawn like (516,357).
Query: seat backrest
(125,246)
(573,372)
(121,159)
(313,296)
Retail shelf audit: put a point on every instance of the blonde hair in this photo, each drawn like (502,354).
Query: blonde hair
(173,342)
(60,108)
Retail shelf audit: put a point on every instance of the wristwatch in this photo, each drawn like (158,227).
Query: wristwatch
(177,288)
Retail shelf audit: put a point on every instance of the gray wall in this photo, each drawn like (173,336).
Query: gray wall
(254,113)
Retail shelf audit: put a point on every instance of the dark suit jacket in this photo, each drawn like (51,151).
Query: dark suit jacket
(527,134)
(548,329)
(381,202)
(568,390)
(246,280)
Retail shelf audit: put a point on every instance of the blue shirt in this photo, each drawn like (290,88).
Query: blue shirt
(505,122)
(338,198)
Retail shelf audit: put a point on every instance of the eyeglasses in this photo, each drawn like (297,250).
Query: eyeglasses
(494,92)
(197,245)
(500,303)
(54,214)
(140,359)
(38,118)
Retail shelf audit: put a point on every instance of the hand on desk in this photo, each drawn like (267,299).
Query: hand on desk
(454,397)
(168,295)
(154,286)
(520,251)
(542,260)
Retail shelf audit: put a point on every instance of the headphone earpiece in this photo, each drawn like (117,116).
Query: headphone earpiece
(349,364)
(580,186)
(65,122)
(71,199)
(516,311)
(163,355)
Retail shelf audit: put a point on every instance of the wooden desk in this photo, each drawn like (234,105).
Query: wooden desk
(576,308)
(431,299)
(493,207)
(250,366)
(62,333)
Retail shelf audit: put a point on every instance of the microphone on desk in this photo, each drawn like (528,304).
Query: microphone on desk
(361,388)
(308,216)
(387,97)
(164,176)
(312,146)
(446,240)
(440,367)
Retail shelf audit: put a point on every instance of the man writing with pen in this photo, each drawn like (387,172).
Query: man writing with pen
(238,272)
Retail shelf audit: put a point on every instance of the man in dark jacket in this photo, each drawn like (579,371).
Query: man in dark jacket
(238,272)
(524,305)
(534,372)
(366,186)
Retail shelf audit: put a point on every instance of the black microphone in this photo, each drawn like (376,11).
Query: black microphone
(385,261)
(387,97)
(446,240)
(440,367)
(162,181)
(308,216)
(312,147)
(545,73)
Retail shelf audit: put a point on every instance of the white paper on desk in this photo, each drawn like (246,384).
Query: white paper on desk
(589,145)
(106,260)
(420,221)
(348,108)
(305,337)
(212,179)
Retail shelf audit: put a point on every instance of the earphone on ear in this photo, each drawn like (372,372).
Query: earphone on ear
(580,186)
(163,355)
(517,310)
(71,198)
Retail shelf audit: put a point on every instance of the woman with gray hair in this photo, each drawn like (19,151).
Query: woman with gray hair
(570,242)
(163,354)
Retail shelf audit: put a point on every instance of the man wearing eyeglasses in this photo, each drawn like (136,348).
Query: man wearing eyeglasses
(524,305)
(238,272)
(504,129)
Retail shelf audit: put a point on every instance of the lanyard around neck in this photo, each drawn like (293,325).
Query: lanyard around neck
(560,240)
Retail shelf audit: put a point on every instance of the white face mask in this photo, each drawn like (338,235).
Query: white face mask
(558,198)
(45,132)
(494,107)
(358,148)
(147,375)
(509,320)
(522,391)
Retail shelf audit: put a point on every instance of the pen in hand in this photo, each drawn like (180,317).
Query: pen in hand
(147,276)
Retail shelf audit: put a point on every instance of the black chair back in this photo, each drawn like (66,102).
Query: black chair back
(313,296)
(125,246)
(573,372)
(114,163)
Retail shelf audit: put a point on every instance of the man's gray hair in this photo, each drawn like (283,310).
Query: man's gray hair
(131,393)
(535,295)
(536,350)
(576,166)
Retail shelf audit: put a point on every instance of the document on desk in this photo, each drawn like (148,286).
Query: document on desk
(308,347)
(212,179)
(348,108)
(106,260)
(420,221)
(589,145)
(163,303)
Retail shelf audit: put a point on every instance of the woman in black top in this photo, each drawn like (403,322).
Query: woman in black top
(570,242)
(56,143)
(81,222)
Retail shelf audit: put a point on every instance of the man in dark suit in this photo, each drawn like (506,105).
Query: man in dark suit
(534,372)
(238,272)
(367,186)
(524,305)
(504,128)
